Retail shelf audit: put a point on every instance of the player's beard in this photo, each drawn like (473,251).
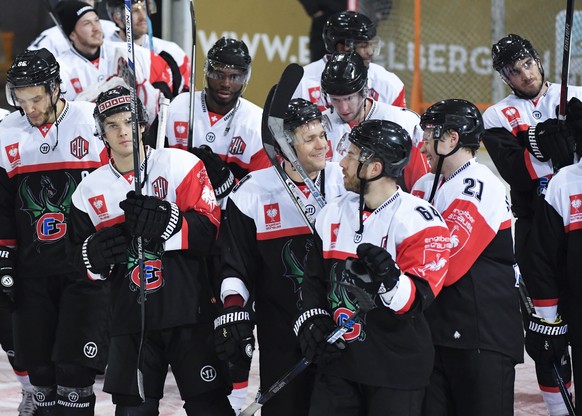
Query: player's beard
(44,117)
(352,183)
(214,95)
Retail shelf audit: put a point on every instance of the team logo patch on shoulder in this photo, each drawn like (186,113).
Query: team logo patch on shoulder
(314,94)
(99,206)
(272,216)
(181,129)
(76,84)
(237,146)
(334,231)
(418,193)
(576,210)
(160,186)
(79,147)
(13,155)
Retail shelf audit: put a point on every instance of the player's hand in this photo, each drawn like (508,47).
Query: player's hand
(546,342)
(233,336)
(552,139)
(7,275)
(220,175)
(312,328)
(104,249)
(150,217)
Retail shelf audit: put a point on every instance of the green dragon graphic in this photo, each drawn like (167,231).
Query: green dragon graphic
(47,200)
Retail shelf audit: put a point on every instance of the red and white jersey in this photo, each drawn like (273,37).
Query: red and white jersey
(383,85)
(80,75)
(407,119)
(162,45)
(54,40)
(516,114)
(235,136)
(475,206)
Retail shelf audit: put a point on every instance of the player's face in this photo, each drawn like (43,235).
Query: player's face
(311,146)
(367,49)
(349,165)
(525,77)
(350,108)
(139,18)
(88,34)
(117,132)
(37,104)
(224,85)
(428,147)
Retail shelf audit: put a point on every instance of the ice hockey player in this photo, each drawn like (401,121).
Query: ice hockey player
(479,289)
(264,244)
(344,83)
(351,31)
(59,322)
(173,54)
(402,249)
(177,218)
(528,144)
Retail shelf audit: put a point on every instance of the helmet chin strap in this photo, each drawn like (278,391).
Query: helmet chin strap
(363,183)
(440,167)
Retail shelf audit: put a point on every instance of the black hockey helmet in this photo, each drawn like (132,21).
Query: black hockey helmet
(229,52)
(300,112)
(512,48)
(344,26)
(344,74)
(118,7)
(458,115)
(381,139)
(32,68)
(113,101)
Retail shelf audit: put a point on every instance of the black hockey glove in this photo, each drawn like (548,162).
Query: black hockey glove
(312,328)
(233,336)
(553,140)
(7,275)
(374,270)
(220,175)
(104,249)
(546,342)
(574,120)
(150,217)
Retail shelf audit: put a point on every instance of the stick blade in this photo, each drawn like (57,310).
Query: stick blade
(285,88)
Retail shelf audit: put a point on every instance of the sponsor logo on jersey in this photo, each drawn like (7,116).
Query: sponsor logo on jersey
(208,373)
(99,206)
(434,265)
(210,137)
(160,186)
(13,155)
(90,349)
(537,114)
(79,147)
(76,83)
(45,148)
(460,222)
(333,234)
(237,146)
(181,129)
(272,216)
(514,119)
(576,210)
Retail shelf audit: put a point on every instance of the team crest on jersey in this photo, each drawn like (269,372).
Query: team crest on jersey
(152,268)
(314,94)
(48,207)
(514,119)
(341,316)
(576,210)
(181,129)
(272,216)
(334,231)
(76,83)
(160,186)
(13,155)
(344,303)
(79,147)
(99,206)
(237,146)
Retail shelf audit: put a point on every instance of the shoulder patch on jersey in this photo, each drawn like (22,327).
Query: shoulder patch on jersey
(243,180)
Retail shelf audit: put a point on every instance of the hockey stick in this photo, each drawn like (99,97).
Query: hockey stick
(569,18)
(288,184)
(285,88)
(529,307)
(137,186)
(56,21)
(163,103)
(192,79)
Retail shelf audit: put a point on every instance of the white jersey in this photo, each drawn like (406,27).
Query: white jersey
(516,114)
(84,79)
(54,40)
(383,85)
(235,137)
(407,119)
(3,113)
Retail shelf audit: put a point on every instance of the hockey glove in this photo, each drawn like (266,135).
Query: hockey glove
(553,140)
(7,260)
(104,249)
(233,336)
(574,120)
(546,342)
(150,217)
(220,175)
(374,270)
(312,328)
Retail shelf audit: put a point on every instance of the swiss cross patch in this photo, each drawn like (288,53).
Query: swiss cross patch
(305,190)
(334,231)
(99,206)
(79,147)
(575,208)
(272,216)
(76,83)
(237,146)
(418,193)
(13,154)
(160,187)
(44,129)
